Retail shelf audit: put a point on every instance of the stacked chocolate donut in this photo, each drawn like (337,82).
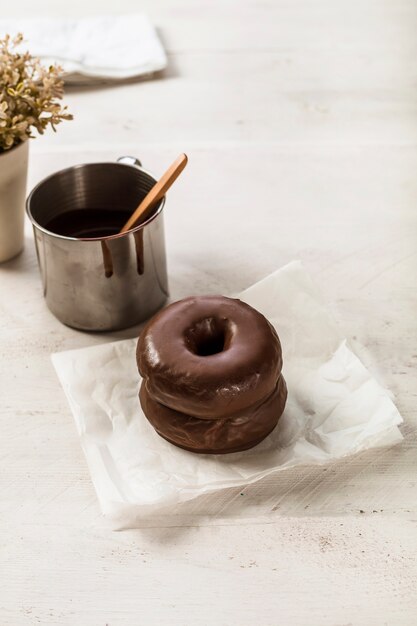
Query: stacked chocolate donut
(211,369)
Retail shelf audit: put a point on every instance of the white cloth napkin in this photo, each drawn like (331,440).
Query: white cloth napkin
(94,48)
(334,408)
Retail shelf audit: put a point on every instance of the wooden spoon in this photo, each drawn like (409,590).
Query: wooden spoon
(156,193)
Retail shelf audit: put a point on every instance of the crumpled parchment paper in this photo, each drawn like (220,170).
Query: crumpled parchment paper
(335,408)
(92,49)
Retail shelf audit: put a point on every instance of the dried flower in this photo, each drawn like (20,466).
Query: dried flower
(29,94)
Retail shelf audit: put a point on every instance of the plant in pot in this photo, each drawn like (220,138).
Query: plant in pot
(29,100)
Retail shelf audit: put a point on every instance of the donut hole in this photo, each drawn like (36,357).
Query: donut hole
(207,337)
(210,345)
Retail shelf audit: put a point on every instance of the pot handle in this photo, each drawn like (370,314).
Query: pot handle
(129,160)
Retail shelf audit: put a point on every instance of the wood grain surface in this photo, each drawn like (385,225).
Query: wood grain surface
(308,111)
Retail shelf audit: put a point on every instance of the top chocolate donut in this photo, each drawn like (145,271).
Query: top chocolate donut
(209,356)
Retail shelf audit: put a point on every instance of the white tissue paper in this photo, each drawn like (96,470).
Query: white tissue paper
(91,49)
(334,408)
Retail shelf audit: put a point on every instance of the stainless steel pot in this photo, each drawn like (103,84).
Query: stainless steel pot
(105,283)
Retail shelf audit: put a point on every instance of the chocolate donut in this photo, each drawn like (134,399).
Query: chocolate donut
(209,356)
(216,436)
(211,369)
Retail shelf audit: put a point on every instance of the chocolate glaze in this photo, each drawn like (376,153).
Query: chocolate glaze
(210,357)
(216,436)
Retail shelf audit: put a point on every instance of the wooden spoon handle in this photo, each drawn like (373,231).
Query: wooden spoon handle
(156,193)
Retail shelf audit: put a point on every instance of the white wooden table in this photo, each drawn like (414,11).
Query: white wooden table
(300,121)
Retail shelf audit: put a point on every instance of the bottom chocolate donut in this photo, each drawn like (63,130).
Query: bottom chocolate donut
(217,436)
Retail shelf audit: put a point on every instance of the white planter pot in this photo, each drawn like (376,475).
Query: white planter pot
(13,174)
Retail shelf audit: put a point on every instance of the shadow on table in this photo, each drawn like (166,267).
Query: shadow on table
(23,261)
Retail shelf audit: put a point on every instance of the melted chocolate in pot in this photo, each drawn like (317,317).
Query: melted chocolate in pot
(81,223)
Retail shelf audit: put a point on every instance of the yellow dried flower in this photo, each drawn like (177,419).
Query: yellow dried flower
(29,94)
